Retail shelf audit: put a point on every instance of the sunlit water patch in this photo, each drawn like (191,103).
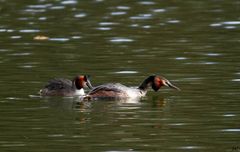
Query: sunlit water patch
(76,37)
(146,26)
(229,115)
(104,28)
(146,3)
(180,58)
(236,80)
(59,39)
(28,65)
(108,23)
(231,130)
(80,15)
(12,144)
(42,18)
(213,54)
(57,7)
(173,21)
(202,63)
(21,54)
(159,10)
(29,31)
(120,40)
(7,30)
(226,24)
(231,23)
(38,6)
(35,10)
(16,37)
(134,25)
(190,147)
(141,17)
(69,2)
(126,72)
(118,13)
(13,98)
(123,7)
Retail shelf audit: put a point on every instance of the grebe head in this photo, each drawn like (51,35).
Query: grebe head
(82,81)
(158,82)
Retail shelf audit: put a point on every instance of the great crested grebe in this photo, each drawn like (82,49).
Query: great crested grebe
(118,91)
(65,87)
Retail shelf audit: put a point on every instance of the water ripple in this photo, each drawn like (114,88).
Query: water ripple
(16,37)
(134,25)
(236,80)
(104,28)
(232,23)
(121,40)
(27,66)
(12,144)
(42,18)
(173,21)
(13,98)
(146,26)
(213,54)
(123,7)
(180,58)
(57,7)
(231,130)
(7,30)
(76,37)
(141,17)
(126,72)
(190,147)
(202,63)
(226,24)
(20,54)
(59,39)
(107,23)
(147,2)
(69,2)
(35,10)
(159,10)
(56,135)
(42,6)
(29,31)
(118,13)
(230,27)
(229,115)
(80,15)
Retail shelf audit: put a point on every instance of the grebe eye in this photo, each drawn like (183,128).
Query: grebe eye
(158,81)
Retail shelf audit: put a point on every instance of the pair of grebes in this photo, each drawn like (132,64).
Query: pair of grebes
(65,87)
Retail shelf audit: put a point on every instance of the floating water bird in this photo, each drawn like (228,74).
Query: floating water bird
(65,87)
(119,91)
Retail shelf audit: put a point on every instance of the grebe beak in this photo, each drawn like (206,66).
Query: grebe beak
(170,85)
(88,83)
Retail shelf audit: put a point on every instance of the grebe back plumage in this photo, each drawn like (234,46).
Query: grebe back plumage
(65,87)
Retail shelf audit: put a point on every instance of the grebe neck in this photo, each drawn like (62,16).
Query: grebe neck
(146,83)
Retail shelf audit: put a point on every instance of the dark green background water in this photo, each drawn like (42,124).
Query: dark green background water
(195,44)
